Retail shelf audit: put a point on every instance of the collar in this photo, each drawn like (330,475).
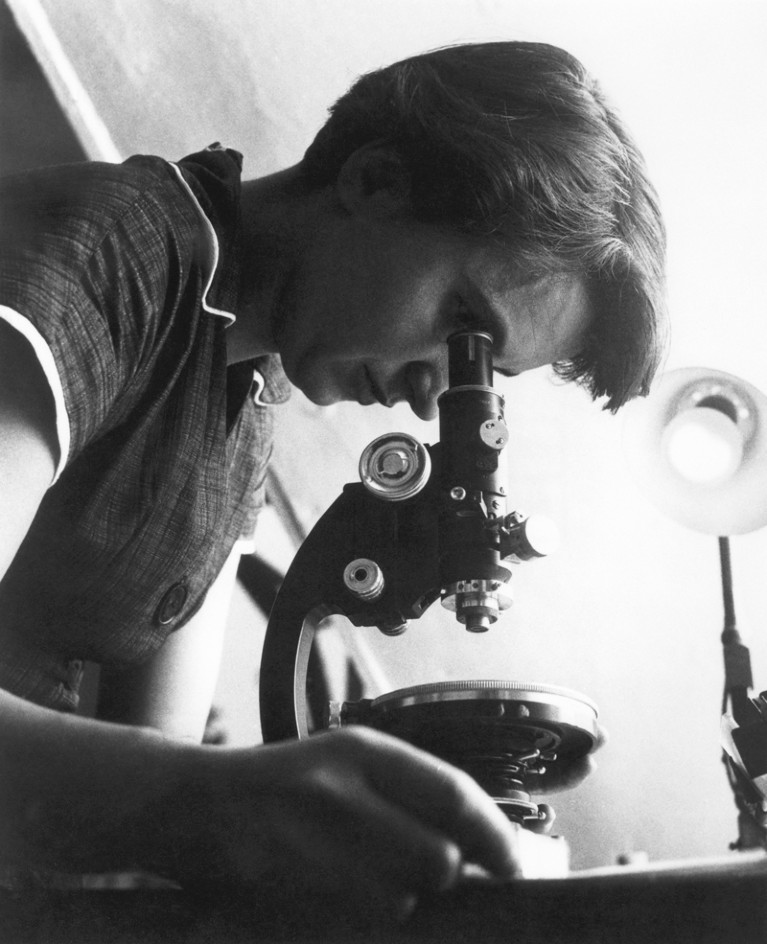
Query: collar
(211,178)
(270,385)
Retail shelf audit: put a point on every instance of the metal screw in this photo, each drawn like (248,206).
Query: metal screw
(458,493)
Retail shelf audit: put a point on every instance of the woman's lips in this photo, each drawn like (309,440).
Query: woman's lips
(376,390)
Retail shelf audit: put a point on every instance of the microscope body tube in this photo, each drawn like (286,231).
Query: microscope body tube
(473,434)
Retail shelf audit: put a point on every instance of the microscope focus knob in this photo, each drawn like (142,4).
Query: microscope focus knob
(527,538)
(364,578)
(395,466)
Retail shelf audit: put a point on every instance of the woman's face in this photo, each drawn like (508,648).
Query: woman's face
(367,314)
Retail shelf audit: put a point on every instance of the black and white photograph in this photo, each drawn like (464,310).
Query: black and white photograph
(383,472)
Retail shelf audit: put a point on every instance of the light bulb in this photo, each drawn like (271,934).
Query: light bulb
(697,447)
(703,445)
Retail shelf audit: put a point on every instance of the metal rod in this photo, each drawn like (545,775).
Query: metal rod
(730,624)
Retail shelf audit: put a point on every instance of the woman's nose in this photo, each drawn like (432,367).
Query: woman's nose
(425,382)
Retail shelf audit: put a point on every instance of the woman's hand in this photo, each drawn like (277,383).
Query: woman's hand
(354,813)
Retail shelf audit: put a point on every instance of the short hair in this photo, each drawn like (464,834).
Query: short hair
(516,141)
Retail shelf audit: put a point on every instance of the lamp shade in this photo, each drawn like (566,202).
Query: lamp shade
(697,446)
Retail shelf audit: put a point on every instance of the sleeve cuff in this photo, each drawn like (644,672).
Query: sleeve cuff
(48,365)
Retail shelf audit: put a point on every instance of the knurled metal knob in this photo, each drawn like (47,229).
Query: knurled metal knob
(395,466)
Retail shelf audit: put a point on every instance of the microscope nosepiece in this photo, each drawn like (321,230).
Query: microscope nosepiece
(477,603)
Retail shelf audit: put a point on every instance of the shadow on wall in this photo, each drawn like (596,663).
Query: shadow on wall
(33,129)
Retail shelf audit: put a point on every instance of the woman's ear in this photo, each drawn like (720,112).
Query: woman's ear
(374,181)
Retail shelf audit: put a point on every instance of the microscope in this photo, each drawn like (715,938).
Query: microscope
(427,523)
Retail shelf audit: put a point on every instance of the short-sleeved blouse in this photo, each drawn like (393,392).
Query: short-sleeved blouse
(124,278)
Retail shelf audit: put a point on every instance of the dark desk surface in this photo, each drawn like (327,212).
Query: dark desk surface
(701,903)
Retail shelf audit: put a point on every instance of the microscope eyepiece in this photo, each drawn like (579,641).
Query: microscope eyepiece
(470,359)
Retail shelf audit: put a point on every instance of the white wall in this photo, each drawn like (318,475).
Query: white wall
(628,612)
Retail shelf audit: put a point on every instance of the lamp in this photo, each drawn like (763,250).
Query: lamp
(698,448)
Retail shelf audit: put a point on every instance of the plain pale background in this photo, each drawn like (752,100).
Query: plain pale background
(629,610)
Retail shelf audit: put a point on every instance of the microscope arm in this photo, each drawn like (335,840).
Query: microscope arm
(393,577)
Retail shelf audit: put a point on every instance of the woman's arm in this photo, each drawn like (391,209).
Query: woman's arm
(28,446)
(173,691)
(353,813)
